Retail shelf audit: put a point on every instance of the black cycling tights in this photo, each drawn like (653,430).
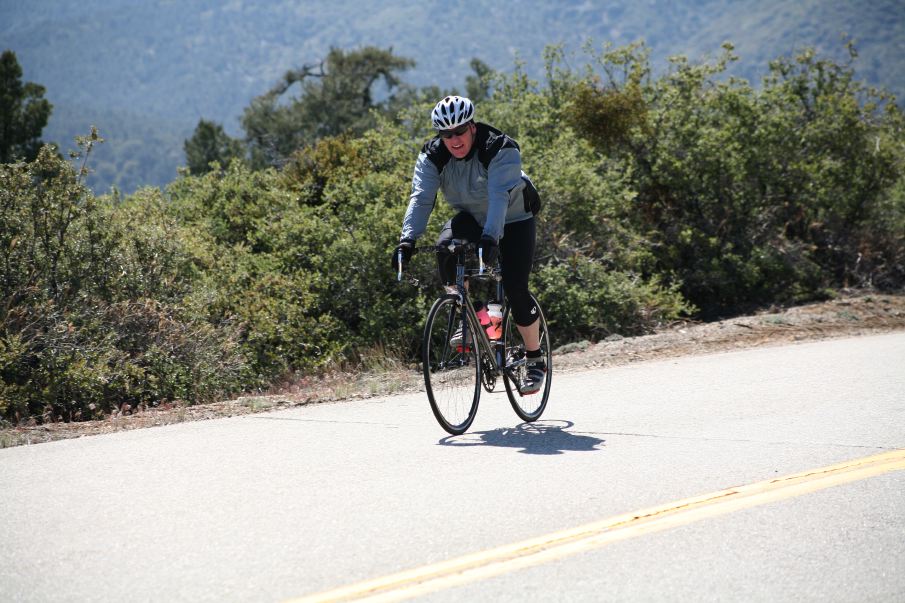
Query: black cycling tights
(516,257)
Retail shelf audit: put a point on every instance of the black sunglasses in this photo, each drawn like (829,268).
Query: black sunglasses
(455,132)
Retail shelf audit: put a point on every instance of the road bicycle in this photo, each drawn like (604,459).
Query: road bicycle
(455,370)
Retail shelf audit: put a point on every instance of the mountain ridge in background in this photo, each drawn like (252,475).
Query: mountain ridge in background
(146,73)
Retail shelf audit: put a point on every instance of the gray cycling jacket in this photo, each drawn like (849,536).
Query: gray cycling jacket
(487,183)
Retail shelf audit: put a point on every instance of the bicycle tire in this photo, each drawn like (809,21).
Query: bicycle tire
(452,374)
(531,406)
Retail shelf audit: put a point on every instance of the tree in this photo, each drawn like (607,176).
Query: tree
(336,96)
(210,143)
(23,112)
(477,86)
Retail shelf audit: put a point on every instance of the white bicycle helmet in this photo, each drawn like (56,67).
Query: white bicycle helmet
(451,112)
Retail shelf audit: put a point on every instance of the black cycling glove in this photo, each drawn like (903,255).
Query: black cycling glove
(406,247)
(489,249)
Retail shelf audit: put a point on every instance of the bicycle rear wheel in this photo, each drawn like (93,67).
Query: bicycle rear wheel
(528,407)
(452,372)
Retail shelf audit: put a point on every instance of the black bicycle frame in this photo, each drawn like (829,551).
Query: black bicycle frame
(497,347)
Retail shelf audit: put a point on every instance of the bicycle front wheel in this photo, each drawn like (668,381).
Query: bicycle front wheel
(529,407)
(452,371)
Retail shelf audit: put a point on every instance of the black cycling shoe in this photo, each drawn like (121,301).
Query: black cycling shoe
(535,377)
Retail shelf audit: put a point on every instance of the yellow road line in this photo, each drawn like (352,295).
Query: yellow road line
(503,559)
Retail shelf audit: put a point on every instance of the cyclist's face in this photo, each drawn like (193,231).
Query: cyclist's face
(459,144)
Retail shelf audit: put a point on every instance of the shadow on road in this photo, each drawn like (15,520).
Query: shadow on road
(541,437)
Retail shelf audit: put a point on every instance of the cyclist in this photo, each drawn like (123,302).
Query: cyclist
(479,170)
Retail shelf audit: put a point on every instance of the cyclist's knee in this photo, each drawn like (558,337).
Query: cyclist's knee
(524,310)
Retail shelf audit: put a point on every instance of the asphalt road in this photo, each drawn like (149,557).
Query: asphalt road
(277,506)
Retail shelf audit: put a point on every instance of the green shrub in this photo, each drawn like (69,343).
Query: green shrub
(584,300)
(90,315)
(749,196)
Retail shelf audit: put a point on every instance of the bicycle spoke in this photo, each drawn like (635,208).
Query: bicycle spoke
(451,370)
